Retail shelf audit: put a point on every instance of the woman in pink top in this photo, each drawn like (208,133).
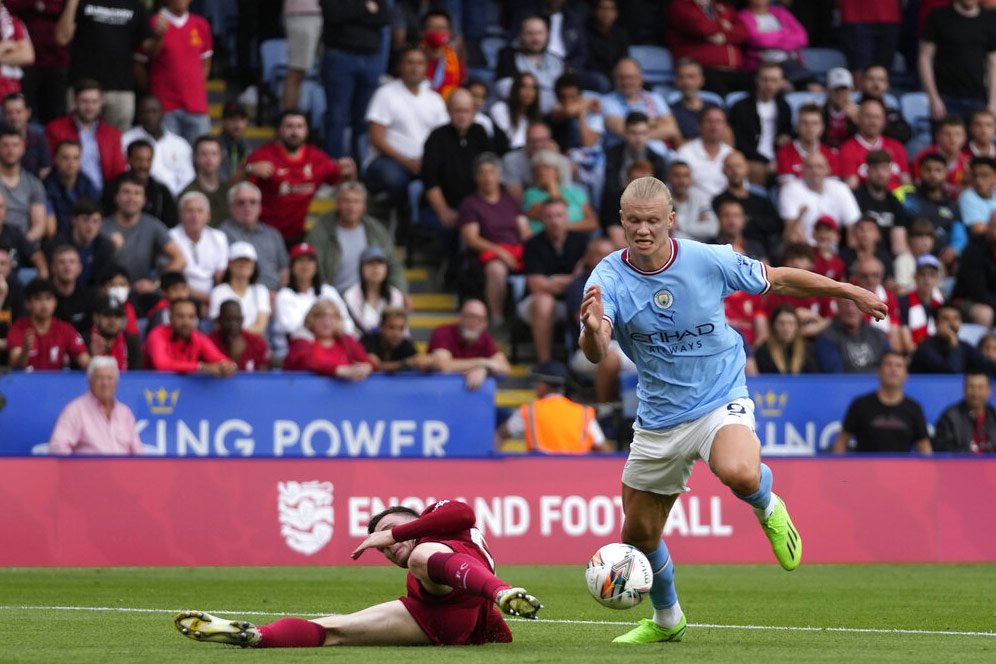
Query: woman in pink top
(774,35)
(97,423)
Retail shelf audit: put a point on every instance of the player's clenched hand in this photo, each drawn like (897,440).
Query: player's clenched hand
(869,303)
(375,540)
(591,308)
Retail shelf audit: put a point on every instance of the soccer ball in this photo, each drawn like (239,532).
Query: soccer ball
(618,576)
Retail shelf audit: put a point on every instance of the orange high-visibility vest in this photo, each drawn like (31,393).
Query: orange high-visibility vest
(557,425)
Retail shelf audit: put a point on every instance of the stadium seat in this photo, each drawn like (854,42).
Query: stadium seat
(915,107)
(656,62)
(273,61)
(821,60)
(901,76)
(491,45)
(734,97)
(674,96)
(800,98)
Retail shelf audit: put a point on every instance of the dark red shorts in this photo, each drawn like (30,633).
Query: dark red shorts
(458,618)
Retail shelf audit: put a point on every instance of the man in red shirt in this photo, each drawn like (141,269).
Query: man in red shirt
(452,592)
(809,127)
(248,350)
(711,33)
(85,126)
(180,347)
(949,142)
(467,347)
(178,66)
(16,51)
(41,342)
(289,172)
(871,122)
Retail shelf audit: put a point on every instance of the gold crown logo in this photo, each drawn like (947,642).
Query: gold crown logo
(771,404)
(161,401)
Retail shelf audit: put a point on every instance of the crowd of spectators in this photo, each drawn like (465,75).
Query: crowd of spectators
(127,230)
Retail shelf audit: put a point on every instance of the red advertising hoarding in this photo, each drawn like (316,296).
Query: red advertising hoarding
(532,510)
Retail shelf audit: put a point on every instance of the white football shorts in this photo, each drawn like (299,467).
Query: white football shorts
(661,461)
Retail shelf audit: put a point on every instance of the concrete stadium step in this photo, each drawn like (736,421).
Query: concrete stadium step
(434,302)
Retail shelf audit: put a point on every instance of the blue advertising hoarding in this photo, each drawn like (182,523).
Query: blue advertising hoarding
(801,415)
(268,414)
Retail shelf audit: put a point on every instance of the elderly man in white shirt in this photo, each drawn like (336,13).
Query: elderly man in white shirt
(172,159)
(401,115)
(204,248)
(802,201)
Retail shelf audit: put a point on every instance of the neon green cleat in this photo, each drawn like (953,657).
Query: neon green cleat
(201,626)
(647,631)
(785,539)
(518,602)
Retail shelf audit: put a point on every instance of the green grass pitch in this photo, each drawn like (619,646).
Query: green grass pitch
(883,613)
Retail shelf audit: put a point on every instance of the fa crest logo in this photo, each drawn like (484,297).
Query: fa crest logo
(306,515)
(663,299)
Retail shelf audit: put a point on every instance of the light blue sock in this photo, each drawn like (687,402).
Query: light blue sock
(761,498)
(662,593)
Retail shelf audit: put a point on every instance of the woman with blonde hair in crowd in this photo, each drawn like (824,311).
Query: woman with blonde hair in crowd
(325,348)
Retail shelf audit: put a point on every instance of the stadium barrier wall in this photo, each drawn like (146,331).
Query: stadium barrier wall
(133,511)
(801,415)
(300,415)
(280,414)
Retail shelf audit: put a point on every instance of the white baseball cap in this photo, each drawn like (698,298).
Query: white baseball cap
(242,250)
(838,77)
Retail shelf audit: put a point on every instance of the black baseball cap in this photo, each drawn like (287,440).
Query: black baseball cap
(234,109)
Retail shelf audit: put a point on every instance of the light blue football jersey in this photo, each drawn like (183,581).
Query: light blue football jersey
(672,325)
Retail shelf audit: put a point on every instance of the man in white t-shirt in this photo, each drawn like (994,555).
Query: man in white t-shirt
(802,201)
(172,158)
(204,248)
(400,117)
(705,155)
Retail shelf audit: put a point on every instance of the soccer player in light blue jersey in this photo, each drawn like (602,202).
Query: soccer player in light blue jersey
(662,299)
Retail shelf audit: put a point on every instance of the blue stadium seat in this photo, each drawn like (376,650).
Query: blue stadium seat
(656,62)
(800,98)
(673,96)
(490,46)
(821,60)
(313,102)
(902,77)
(915,107)
(273,62)
(734,97)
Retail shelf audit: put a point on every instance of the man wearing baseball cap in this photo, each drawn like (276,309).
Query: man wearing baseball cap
(840,114)
(108,336)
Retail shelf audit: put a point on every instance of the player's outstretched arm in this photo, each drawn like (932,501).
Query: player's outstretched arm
(375,540)
(802,283)
(595,330)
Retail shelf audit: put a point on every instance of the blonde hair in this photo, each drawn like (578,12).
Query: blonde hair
(647,189)
(317,309)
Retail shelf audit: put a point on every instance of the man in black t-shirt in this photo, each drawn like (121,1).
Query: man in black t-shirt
(885,420)
(876,201)
(956,45)
(105,35)
(552,260)
(391,349)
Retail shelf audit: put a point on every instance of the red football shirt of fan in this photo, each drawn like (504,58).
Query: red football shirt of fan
(791,155)
(854,150)
(176,72)
(288,192)
(11,29)
(50,351)
(741,309)
(256,356)
(448,338)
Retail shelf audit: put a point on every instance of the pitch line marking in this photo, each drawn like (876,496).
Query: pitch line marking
(780,628)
